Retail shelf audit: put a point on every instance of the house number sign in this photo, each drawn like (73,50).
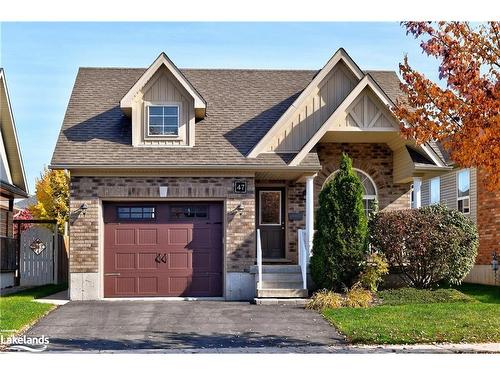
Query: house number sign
(240,187)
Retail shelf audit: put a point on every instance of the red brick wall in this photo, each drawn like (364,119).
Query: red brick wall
(488,221)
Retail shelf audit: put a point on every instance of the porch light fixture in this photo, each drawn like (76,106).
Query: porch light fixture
(76,213)
(238,209)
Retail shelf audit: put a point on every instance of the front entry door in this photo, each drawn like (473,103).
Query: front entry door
(271,222)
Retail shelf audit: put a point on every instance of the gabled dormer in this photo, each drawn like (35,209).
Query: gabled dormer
(163,106)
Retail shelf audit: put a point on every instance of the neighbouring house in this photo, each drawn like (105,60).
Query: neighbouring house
(12,184)
(175,173)
(23,205)
(464,190)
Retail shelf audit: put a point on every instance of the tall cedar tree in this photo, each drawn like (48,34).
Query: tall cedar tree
(52,194)
(464,113)
(340,241)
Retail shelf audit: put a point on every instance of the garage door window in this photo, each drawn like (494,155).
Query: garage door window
(136,213)
(189,211)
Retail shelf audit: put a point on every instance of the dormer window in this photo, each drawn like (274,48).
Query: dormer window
(163,120)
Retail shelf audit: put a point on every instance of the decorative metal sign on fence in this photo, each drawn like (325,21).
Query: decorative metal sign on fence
(37,246)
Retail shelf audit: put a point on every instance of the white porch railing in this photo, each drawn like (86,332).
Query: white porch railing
(259,260)
(303,255)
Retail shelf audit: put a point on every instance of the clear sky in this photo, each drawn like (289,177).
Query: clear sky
(41,59)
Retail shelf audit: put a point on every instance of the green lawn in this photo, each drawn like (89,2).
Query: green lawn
(19,310)
(471,313)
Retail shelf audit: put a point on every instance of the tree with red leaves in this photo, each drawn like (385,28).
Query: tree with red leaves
(464,115)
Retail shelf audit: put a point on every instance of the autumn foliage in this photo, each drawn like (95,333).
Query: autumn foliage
(464,113)
(52,193)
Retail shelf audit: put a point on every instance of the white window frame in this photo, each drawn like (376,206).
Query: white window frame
(260,206)
(163,104)
(464,198)
(438,179)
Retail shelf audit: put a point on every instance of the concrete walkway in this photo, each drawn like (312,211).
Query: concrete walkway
(59,298)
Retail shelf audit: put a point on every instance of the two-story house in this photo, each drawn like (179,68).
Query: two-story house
(174,172)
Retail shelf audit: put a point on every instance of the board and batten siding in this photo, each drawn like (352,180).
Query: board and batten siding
(448,191)
(163,88)
(315,110)
(368,112)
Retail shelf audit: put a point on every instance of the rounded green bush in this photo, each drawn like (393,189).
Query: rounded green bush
(428,246)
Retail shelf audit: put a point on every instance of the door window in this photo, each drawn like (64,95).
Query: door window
(270,208)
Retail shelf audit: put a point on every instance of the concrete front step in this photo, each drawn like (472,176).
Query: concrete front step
(282,293)
(281,301)
(278,268)
(281,284)
(282,277)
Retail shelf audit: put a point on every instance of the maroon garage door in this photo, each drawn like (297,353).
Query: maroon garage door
(163,249)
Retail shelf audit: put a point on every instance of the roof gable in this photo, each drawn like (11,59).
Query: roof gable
(162,60)
(14,163)
(339,56)
(366,82)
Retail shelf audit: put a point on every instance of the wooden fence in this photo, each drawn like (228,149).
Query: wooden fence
(8,250)
(62,259)
(9,257)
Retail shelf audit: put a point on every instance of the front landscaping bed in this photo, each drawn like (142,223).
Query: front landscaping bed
(470,313)
(19,310)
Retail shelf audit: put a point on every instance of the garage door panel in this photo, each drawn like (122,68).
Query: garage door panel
(179,256)
(148,236)
(148,285)
(179,260)
(147,261)
(179,285)
(202,238)
(124,261)
(125,285)
(124,236)
(179,236)
(201,261)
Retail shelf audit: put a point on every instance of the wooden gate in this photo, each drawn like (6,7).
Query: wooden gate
(38,255)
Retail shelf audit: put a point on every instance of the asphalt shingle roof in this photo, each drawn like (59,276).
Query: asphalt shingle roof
(242,105)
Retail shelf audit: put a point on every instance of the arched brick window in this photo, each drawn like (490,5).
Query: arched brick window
(369,188)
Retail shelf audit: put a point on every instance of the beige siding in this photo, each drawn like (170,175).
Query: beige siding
(163,88)
(448,191)
(315,110)
(426,192)
(403,165)
(367,112)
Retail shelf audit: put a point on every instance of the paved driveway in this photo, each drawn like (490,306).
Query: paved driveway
(202,326)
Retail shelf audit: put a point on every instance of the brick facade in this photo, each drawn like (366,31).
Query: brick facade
(372,158)
(240,230)
(488,221)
